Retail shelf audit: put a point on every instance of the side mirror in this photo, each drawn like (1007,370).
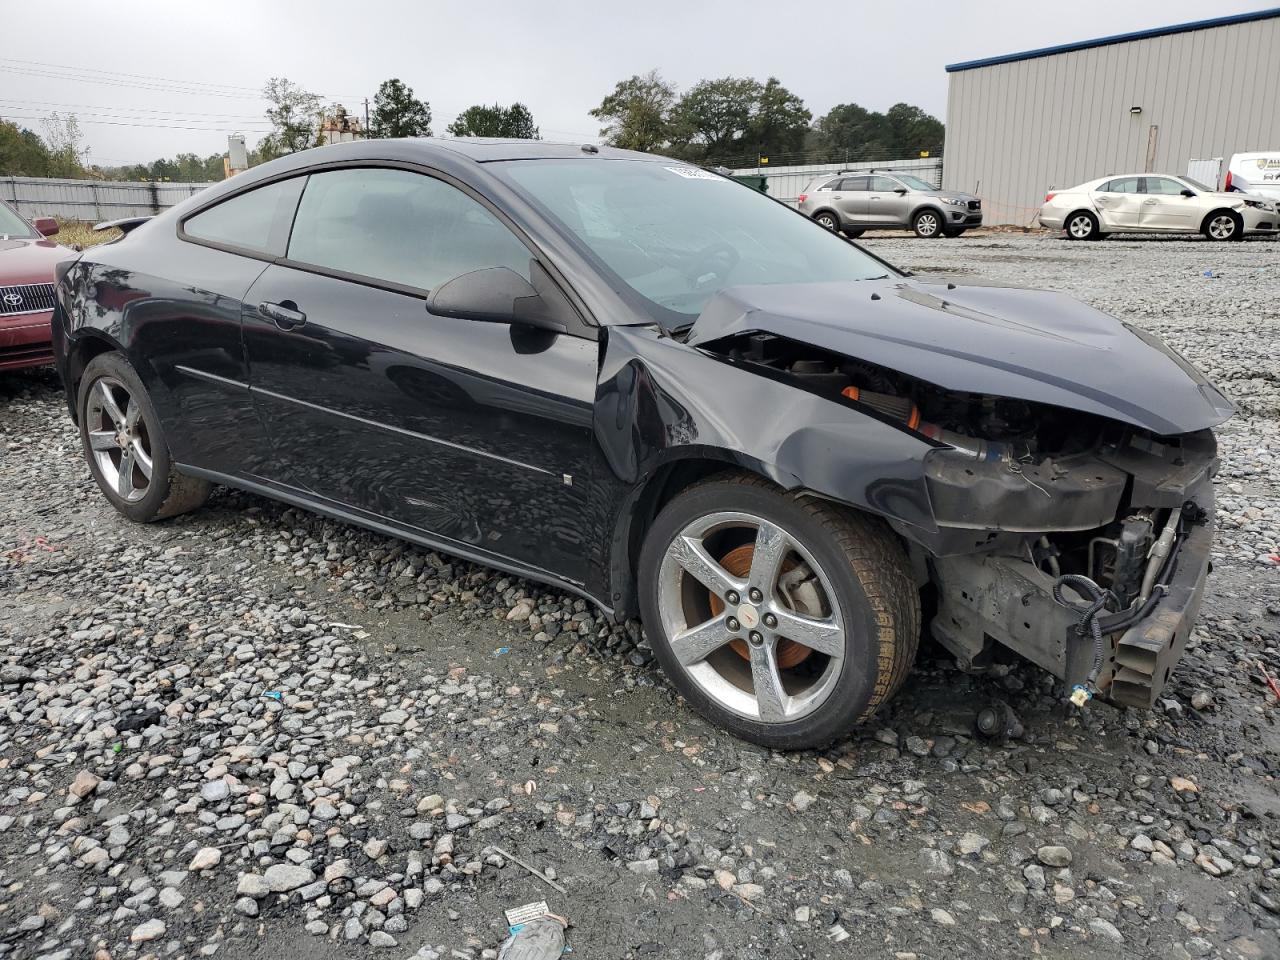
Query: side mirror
(1188,192)
(45,226)
(901,191)
(495,295)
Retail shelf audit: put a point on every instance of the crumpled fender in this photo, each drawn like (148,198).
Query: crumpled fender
(659,401)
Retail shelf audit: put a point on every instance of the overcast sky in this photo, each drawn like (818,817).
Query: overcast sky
(135,73)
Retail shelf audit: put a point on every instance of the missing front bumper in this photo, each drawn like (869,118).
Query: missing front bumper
(987,599)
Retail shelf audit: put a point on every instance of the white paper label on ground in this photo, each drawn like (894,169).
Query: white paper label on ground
(530,911)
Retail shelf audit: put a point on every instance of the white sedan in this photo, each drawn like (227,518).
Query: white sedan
(1156,203)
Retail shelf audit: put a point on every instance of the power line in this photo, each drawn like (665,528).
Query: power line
(159,84)
(141,121)
(24,104)
(154,126)
(77,68)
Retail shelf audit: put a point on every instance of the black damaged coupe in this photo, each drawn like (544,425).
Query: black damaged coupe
(652,386)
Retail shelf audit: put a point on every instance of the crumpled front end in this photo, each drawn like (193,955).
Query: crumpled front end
(1077,539)
(1148,557)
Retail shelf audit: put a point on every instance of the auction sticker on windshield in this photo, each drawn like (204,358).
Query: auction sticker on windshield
(693,173)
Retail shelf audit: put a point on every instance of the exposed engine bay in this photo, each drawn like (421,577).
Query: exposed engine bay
(1058,532)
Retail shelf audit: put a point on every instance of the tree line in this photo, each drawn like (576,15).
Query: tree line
(737,121)
(729,121)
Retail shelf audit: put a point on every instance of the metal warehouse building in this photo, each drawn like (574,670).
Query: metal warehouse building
(1148,101)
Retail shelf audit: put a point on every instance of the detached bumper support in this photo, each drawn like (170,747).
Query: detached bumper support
(1147,651)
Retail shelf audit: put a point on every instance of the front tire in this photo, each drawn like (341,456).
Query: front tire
(125,445)
(927,224)
(785,620)
(1223,225)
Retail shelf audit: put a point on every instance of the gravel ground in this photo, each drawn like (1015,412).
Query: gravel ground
(253,732)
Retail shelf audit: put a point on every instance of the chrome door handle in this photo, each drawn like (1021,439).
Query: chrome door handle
(284,314)
(1149,201)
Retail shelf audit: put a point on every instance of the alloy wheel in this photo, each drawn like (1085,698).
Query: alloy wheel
(1080,227)
(118,439)
(926,224)
(751,617)
(827,221)
(1222,227)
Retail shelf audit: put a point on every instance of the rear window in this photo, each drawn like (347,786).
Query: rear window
(256,221)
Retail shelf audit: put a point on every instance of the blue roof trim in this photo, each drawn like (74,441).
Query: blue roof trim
(1118,38)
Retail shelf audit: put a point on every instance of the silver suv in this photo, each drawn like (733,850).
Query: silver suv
(854,202)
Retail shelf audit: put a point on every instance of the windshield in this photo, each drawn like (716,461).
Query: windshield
(12,225)
(676,235)
(915,183)
(1197,184)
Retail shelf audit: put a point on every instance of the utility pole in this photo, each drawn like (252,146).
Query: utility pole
(366,116)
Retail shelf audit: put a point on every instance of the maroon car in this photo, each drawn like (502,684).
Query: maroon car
(26,288)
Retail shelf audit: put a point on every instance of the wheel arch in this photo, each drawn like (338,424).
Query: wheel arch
(831,210)
(1233,214)
(927,206)
(664,483)
(1097,220)
(90,343)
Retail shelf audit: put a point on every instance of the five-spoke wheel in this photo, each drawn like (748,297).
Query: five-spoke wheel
(785,619)
(1222,225)
(118,439)
(125,446)
(748,613)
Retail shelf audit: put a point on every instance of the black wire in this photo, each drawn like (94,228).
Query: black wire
(1096,600)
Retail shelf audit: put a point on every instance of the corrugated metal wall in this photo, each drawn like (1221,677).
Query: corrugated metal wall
(785,183)
(1016,129)
(92,200)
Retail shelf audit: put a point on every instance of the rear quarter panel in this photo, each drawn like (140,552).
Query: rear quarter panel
(166,305)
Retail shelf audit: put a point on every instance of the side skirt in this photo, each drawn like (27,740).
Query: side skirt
(410,534)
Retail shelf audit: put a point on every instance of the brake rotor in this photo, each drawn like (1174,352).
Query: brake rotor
(738,563)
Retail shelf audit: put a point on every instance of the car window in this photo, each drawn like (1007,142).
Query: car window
(831,185)
(1122,185)
(257,220)
(1163,186)
(394,225)
(884,185)
(855,184)
(12,225)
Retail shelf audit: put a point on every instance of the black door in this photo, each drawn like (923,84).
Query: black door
(188,327)
(479,433)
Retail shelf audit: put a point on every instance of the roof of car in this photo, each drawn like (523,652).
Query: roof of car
(485,149)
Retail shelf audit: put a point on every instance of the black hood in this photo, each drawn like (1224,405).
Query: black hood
(1003,341)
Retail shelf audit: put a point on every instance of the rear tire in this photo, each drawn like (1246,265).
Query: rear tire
(1082,225)
(927,224)
(838,579)
(1223,225)
(125,446)
(827,219)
